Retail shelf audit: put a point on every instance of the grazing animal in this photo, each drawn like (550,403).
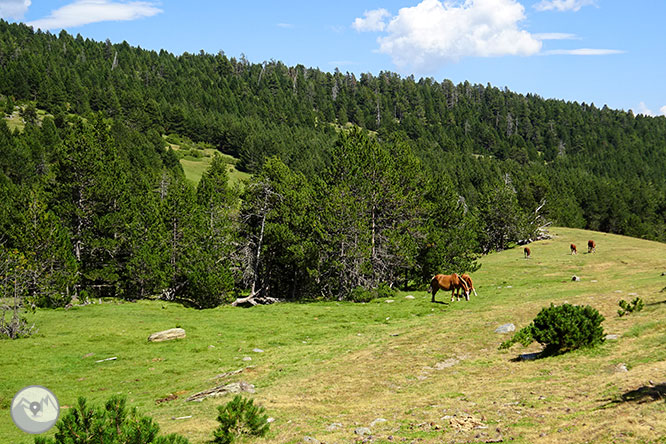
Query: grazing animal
(448,282)
(468,280)
(573,249)
(527,252)
(591,246)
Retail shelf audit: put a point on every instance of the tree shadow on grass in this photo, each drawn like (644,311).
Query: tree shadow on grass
(647,393)
(657,302)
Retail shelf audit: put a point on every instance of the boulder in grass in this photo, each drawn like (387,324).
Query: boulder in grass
(167,335)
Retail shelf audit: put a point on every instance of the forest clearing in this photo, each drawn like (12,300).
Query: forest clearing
(432,371)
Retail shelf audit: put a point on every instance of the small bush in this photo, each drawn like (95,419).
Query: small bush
(561,329)
(630,307)
(240,417)
(361,294)
(112,424)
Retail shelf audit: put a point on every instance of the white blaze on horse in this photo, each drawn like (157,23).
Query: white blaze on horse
(448,282)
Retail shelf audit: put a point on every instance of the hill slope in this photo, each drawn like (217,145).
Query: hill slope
(596,168)
(433,371)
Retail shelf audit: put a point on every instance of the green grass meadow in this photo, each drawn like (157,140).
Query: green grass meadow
(195,158)
(433,371)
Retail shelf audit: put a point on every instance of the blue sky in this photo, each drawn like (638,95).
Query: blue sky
(606,52)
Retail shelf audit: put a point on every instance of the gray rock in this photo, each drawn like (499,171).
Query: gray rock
(388,301)
(506,328)
(167,335)
(257,350)
(528,356)
(247,358)
(311,440)
(222,390)
(363,431)
(611,337)
(377,421)
(621,368)
(333,427)
(409,296)
(446,364)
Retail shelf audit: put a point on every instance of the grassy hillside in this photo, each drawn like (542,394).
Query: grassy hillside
(433,371)
(195,159)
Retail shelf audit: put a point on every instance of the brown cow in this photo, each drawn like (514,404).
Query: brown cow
(591,246)
(448,282)
(573,249)
(527,252)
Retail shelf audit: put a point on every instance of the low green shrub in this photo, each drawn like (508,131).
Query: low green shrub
(240,417)
(562,328)
(361,294)
(114,423)
(630,307)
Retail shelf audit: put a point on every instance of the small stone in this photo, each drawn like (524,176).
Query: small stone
(388,301)
(594,280)
(270,420)
(211,346)
(505,328)
(333,427)
(529,356)
(621,368)
(311,440)
(632,294)
(618,291)
(247,358)
(611,337)
(377,421)
(446,364)
(509,286)
(363,431)
(167,335)
(257,350)
(409,296)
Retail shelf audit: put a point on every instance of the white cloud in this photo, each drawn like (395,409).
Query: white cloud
(662,110)
(563,5)
(285,25)
(643,109)
(555,36)
(373,21)
(14,9)
(583,52)
(432,32)
(83,12)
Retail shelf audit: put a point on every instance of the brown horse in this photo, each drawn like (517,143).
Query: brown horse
(448,282)
(591,246)
(527,252)
(573,249)
(468,280)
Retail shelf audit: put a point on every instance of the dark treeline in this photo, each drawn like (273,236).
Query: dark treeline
(435,173)
(93,208)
